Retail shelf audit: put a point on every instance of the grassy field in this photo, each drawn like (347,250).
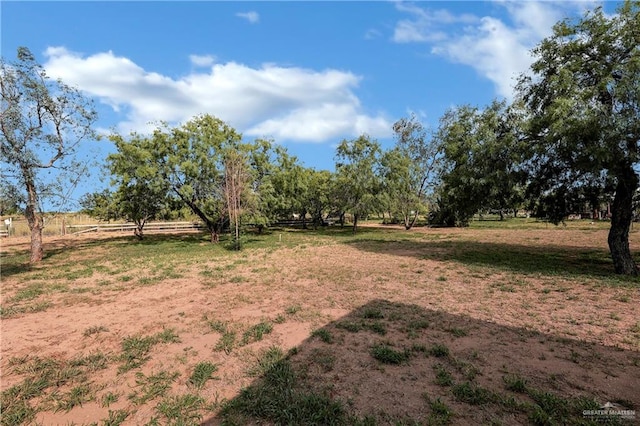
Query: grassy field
(515,322)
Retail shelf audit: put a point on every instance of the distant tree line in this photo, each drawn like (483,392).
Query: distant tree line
(570,138)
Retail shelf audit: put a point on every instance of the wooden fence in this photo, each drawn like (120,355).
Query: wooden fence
(121,227)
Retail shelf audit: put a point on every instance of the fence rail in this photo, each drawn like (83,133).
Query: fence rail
(152,226)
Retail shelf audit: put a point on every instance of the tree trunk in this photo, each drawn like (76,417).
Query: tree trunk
(304,219)
(35,224)
(355,222)
(621,216)
(37,251)
(413,220)
(139,231)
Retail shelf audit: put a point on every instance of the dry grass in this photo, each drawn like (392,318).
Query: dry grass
(529,321)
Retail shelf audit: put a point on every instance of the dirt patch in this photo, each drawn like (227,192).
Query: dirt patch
(551,314)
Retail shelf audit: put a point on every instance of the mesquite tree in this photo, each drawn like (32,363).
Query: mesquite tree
(43,122)
(583,99)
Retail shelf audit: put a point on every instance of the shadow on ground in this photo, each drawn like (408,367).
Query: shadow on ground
(392,363)
(17,261)
(527,259)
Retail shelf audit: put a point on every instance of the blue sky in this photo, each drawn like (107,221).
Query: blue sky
(306,74)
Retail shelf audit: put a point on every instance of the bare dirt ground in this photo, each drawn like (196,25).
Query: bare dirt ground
(571,331)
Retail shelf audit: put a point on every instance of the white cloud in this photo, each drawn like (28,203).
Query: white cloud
(498,49)
(283,102)
(202,60)
(251,16)
(424,24)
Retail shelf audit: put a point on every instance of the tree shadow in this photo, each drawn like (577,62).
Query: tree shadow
(574,262)
(396,363)
(17,261)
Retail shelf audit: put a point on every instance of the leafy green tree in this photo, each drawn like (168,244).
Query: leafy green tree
(142,194)
(319,200)
(583,99)
(43,122)
(410,170)
(11,200)
(290,181)
(191,158)
(482,161)
(99,205)
(357,162)
(266,199)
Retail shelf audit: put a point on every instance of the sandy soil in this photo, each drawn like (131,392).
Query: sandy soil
(582,335)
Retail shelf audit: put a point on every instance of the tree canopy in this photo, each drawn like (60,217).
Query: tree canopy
(582,102)
(482,167)
(357,176)
(42,122)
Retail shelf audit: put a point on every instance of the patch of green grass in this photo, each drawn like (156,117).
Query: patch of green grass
(515,383)
(377,327)
(43,374)
(372,313)
(266,361)
(278,399)
(75,397)
(439,350)
(144,281)
(208,272)
(227,342)
(15,410)
(387,355)
(167,335)
(457,332)
(182,409)
(108,399)
(10,311)
(443,376)
(467,369)
(256,332)
(216,325)
(549,408)
(350,326)
(115,418)
(472,394)
(135,349)
(93,362)
(152,386)
(202,372)
(417,324)
(30,292)
(440,413)
(323,334)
